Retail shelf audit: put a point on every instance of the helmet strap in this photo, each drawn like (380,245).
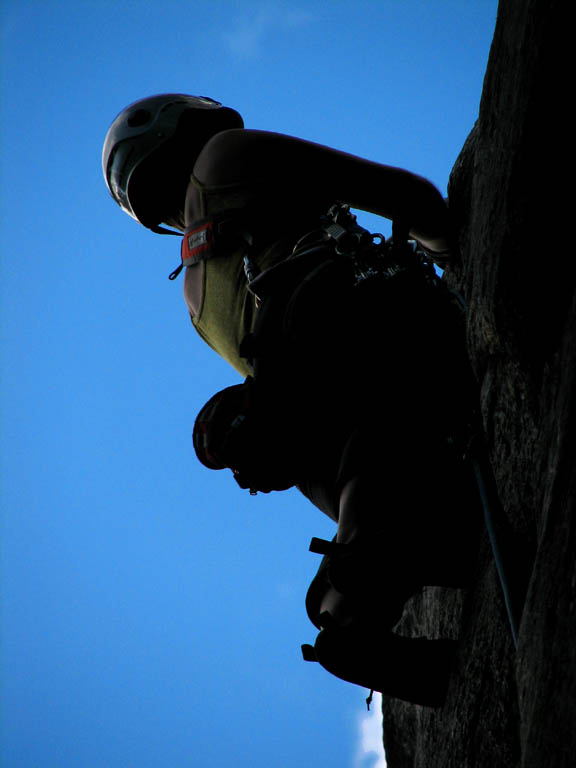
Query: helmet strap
(164,231)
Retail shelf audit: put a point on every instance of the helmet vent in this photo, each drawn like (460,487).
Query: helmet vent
(138,118)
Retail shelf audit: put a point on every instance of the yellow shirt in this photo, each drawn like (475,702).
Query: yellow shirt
(216,290)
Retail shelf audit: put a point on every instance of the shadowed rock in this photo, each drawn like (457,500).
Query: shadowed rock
(506,707)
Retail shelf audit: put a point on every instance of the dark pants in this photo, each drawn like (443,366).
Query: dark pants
(376,396)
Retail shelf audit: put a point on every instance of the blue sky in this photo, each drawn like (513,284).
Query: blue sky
(152,613)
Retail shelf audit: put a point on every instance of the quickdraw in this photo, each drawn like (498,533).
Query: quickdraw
(371,254)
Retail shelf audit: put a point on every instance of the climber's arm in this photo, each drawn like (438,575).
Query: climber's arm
(275,159)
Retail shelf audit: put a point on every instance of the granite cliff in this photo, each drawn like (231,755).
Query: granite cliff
(508,706)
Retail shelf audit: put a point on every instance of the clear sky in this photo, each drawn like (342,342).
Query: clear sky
(152,613)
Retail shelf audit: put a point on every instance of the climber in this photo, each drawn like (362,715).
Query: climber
(354,387)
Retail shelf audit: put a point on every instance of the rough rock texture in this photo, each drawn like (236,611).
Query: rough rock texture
(508,708)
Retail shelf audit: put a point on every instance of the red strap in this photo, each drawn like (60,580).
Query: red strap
(196,244)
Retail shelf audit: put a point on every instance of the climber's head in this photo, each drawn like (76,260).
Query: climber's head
(150,151)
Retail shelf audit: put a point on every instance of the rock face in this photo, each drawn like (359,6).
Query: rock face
(511,707)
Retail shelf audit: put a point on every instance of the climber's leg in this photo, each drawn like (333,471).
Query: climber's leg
(409,520)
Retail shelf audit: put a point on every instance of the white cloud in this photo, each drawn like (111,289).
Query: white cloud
(260,22)
(370,749)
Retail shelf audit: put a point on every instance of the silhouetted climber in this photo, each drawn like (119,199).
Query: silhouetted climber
(357,387)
